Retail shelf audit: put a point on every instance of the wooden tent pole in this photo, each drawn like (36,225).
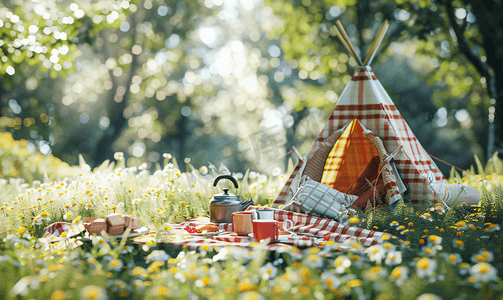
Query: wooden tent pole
(376,43)
(348,41)
(344,43)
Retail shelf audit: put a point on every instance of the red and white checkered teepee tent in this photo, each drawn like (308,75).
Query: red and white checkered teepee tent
(365,99)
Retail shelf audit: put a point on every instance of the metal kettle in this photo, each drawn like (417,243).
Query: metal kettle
(223,205)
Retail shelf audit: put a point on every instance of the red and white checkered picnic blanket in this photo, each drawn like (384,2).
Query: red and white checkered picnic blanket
(52,233)
(365,99)
(310,231)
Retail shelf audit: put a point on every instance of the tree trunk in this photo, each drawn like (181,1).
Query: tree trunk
(361,13)
(182,135)
(489,19)
(115,110)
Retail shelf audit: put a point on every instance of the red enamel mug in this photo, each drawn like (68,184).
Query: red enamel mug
(242,222)
(263,229)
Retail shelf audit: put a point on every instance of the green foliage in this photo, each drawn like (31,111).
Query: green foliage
(30,35)
(450,219)
(447,242)
(420,36)
(480,167)
(18,161)
(494,165)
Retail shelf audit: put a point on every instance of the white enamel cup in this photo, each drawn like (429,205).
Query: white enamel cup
(286,225)
(265,214)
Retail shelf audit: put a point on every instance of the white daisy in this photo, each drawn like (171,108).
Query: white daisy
(453,258)
(115,265)
(394,224)
(313,261)
(482,256)
(93,292)
(428,296)
(389,246)
(44,216)
(157,255)
(67,216)
(435,239)
(262,178)
(425,267)
(376,253)
(251,295)
(483,272)
(276,171)
(399,275)
(268,271)
(330,281)
(127,249)
(393,258)
(341,263)
(119,155)
(203,170)
(493,227)
(429,251)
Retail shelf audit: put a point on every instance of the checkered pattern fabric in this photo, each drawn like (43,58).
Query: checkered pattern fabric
(321,227)
(290,187)
(53,232)
(365,99)
(309,230)
(350,155)
(315,198)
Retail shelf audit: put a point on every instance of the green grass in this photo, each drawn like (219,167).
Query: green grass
(452,254)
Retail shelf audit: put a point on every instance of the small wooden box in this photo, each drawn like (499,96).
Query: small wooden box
(88,222)
(96,226)
(115,224)
(132,223)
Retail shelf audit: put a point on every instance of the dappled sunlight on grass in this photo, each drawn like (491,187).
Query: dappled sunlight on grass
(449,253)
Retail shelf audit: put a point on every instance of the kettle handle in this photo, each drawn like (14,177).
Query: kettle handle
(226,177)
(247,203)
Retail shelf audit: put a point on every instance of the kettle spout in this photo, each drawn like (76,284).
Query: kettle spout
(247,203)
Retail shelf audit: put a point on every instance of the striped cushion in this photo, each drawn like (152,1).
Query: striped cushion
(317,199)
(315,164)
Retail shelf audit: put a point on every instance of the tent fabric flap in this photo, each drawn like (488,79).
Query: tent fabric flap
(365,99)
(372,173)
(349,157)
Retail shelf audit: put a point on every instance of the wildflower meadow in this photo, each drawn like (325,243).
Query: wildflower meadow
(432,252)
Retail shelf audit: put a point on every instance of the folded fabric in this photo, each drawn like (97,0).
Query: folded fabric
(369,174)
(314,198)
(368,185)
(367,194)
(316,163)
(53,232)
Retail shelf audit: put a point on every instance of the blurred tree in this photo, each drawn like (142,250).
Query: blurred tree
(139,57)
(38,43)
(419,30)
(466,36)
(112,64)
(224,81)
